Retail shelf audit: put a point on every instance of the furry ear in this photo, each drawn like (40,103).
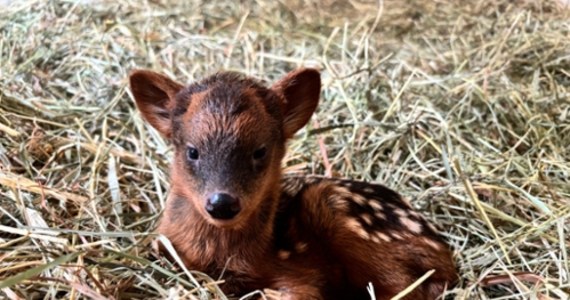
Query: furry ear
(300,90)
(154,95)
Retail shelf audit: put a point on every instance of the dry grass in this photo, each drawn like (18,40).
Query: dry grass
(461,106)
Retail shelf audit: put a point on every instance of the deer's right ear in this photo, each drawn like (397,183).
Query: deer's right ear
(154,95)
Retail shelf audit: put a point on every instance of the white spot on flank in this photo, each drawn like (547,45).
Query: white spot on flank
(359,199)
(413,226)
(338,202)
(435,245)
(375,205)
(367,219)
(301,247)
(354,226)
(283,254)
(341,190)
(363,233)
(401,213)
(396,235)
(383,236)
(351,223)
(340,195)
(374,239)
(380,216)
(369,190)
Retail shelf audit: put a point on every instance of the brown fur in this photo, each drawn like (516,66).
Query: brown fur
(308,237)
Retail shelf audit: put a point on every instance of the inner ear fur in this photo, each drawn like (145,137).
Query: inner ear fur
(154,95)
(300,90)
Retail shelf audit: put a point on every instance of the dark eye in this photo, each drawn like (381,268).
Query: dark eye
(192,153)
(259,153)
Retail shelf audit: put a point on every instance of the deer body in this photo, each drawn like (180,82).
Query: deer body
(231,210)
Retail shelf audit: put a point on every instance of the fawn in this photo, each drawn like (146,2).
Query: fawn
(231,209)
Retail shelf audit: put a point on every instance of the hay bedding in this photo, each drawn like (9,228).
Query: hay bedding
(461,106)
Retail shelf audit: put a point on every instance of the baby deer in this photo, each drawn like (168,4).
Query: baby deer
(230,208)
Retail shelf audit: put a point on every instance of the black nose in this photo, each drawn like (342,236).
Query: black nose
(222,206)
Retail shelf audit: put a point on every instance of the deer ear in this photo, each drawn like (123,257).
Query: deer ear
(154,95)
(300,91)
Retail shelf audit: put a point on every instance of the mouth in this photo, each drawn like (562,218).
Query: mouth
(233,223)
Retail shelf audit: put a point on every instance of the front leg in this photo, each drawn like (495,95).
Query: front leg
(296,282)
(292,290)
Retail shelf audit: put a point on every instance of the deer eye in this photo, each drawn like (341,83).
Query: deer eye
(259,153)
(192,153)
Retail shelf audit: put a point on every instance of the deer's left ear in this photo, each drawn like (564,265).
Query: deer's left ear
(300,90)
